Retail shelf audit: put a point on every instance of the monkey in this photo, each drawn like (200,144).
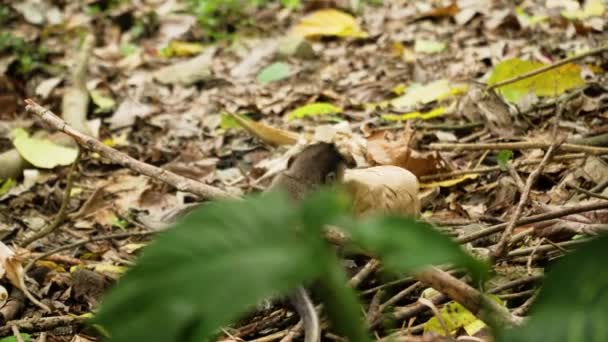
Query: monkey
(316,165)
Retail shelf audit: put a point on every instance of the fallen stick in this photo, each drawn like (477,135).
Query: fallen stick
(181,183)
(517,146)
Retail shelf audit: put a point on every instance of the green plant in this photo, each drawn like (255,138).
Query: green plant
(28,56)
(217,16)
(226,256)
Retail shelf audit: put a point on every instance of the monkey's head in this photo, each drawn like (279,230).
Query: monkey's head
(318,164)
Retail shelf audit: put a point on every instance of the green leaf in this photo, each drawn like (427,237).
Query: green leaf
(503,158)
(25,337)
(42,153)
(274,72)
(103,102)
(211,267)
(406,245)
(573,302)
(228,122)
(6,185)
(553,82)
(314,109)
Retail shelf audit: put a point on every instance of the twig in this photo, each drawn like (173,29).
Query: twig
(61,214)
(518,146)
(370,267)
(535,219)
(435,311)
(531,256)
(486,309)
(82,242)
(523,309)
(489,169)
(587,192)
(515,283)
(181,183)
(523,199)
(16,333)
(548,67)
(41,324)
(546,248)
(518,181)
(400,295)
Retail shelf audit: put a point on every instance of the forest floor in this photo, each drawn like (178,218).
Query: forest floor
(404,84)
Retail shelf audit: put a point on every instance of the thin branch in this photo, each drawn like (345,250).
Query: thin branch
(61,214)
(517,146)
(42,324)
(82,242)
(535,219)
(587,192)
(506,235)
(548,67)
(181,183)
(489,169)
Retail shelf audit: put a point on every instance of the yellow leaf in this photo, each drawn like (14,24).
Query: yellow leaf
(422,94)
(592,8)
(266,133)
(328,22)
(181,49)
(437,112)
(550,83)
(455,316)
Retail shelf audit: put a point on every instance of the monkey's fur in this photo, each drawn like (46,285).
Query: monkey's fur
(316,165)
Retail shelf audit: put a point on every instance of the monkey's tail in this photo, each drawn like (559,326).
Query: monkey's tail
(305,308)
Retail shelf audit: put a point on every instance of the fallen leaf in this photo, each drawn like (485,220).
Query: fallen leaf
(383,149)
(10,265)
(437,112)
(187,72)
(177,48)
(429,46)
(266,133)
(418,94)
(383,190)
(328,22)
(456,316)
(592,8)
(42,153)
(313,109)
(104,102)
(274,72)
(553,82)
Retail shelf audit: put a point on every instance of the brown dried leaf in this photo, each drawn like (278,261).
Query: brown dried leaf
(266,133)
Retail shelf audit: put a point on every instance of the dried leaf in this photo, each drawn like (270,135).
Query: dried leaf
(266,133)
(437,112)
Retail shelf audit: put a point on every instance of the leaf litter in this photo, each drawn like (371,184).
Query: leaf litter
(165,91)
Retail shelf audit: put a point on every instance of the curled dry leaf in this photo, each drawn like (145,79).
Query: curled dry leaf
(383,189)
(10,265)
(383,150)
(266,133)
